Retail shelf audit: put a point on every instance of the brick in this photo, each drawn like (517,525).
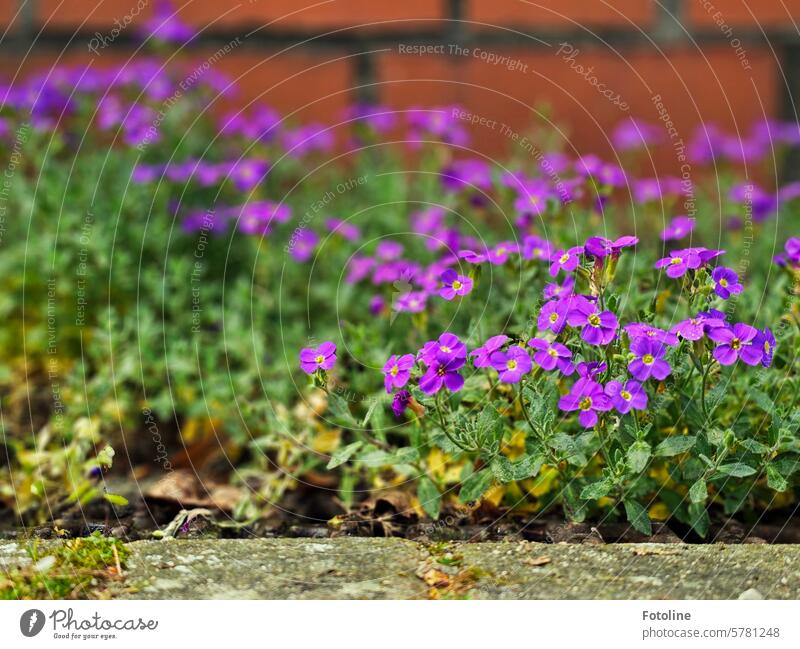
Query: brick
(312,88)
(9,16)
(561,13)
(85,15)
(297,15)
(716,89)
(743,13)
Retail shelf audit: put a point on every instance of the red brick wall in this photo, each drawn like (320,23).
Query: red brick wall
(314,56)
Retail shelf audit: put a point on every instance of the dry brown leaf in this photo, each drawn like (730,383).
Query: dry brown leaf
(537,561)
(436,578)
(187,490)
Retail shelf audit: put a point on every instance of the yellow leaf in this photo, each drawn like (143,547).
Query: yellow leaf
(437,462)
(659,512)
(495,494)
(327,440)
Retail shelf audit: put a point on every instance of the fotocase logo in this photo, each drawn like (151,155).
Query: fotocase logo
(31,622)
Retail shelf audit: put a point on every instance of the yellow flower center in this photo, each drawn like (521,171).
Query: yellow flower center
(534,200)
(594,320)
(445,349)
(319,359)
(767,347)
(394,370)
(563,258)
(648,359)
(553,353)
(501,250)
(512,365)
(675,261)
(456,284)
(586,403)
(723,283)
(625,395)
(553,317)
(736,343)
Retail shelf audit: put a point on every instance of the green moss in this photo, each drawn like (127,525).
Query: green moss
(80,568)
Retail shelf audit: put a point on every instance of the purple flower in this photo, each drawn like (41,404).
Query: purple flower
(590,370)
(727,282)
(695,328)
(565,260)
(679,262)
(397,371)
(642,329)
(447,347)
(602,247)
(553,316)
(400,402)
(512,364)
(302,245)
(535,248)
(597,328)
(378,118)
(531,201)
(462,174)
(442,373)
(679,227)
(359,268)
(555,290)
(347,230)
(648,359)
(318,358)
(627,397)
(472,257)
(736,342)
(482,354)
(412,302)
(166,26)
(247,174)
(549,355)
(766,341)
(377,304)
(635,134)
(454,284)
(588,397)
(388,250)
(500,253)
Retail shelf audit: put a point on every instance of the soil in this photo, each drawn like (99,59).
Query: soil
(314,514)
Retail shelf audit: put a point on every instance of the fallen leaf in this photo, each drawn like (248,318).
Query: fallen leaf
(437,578)
(538,561)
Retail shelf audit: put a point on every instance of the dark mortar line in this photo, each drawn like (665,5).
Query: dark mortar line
(455,33)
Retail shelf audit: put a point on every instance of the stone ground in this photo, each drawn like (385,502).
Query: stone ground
(379,568)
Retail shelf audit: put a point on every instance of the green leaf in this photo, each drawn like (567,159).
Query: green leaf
(370,411)
(638,456)
(502,469)
(597,489)
(762,400)
(475,486)
(699,519)
(736,470)
(339,408)
(775,480)
(698,492)
(753,446)
(527,467)
(637,517)
(342,454)
(116,499)
(675,445)
(429,497)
